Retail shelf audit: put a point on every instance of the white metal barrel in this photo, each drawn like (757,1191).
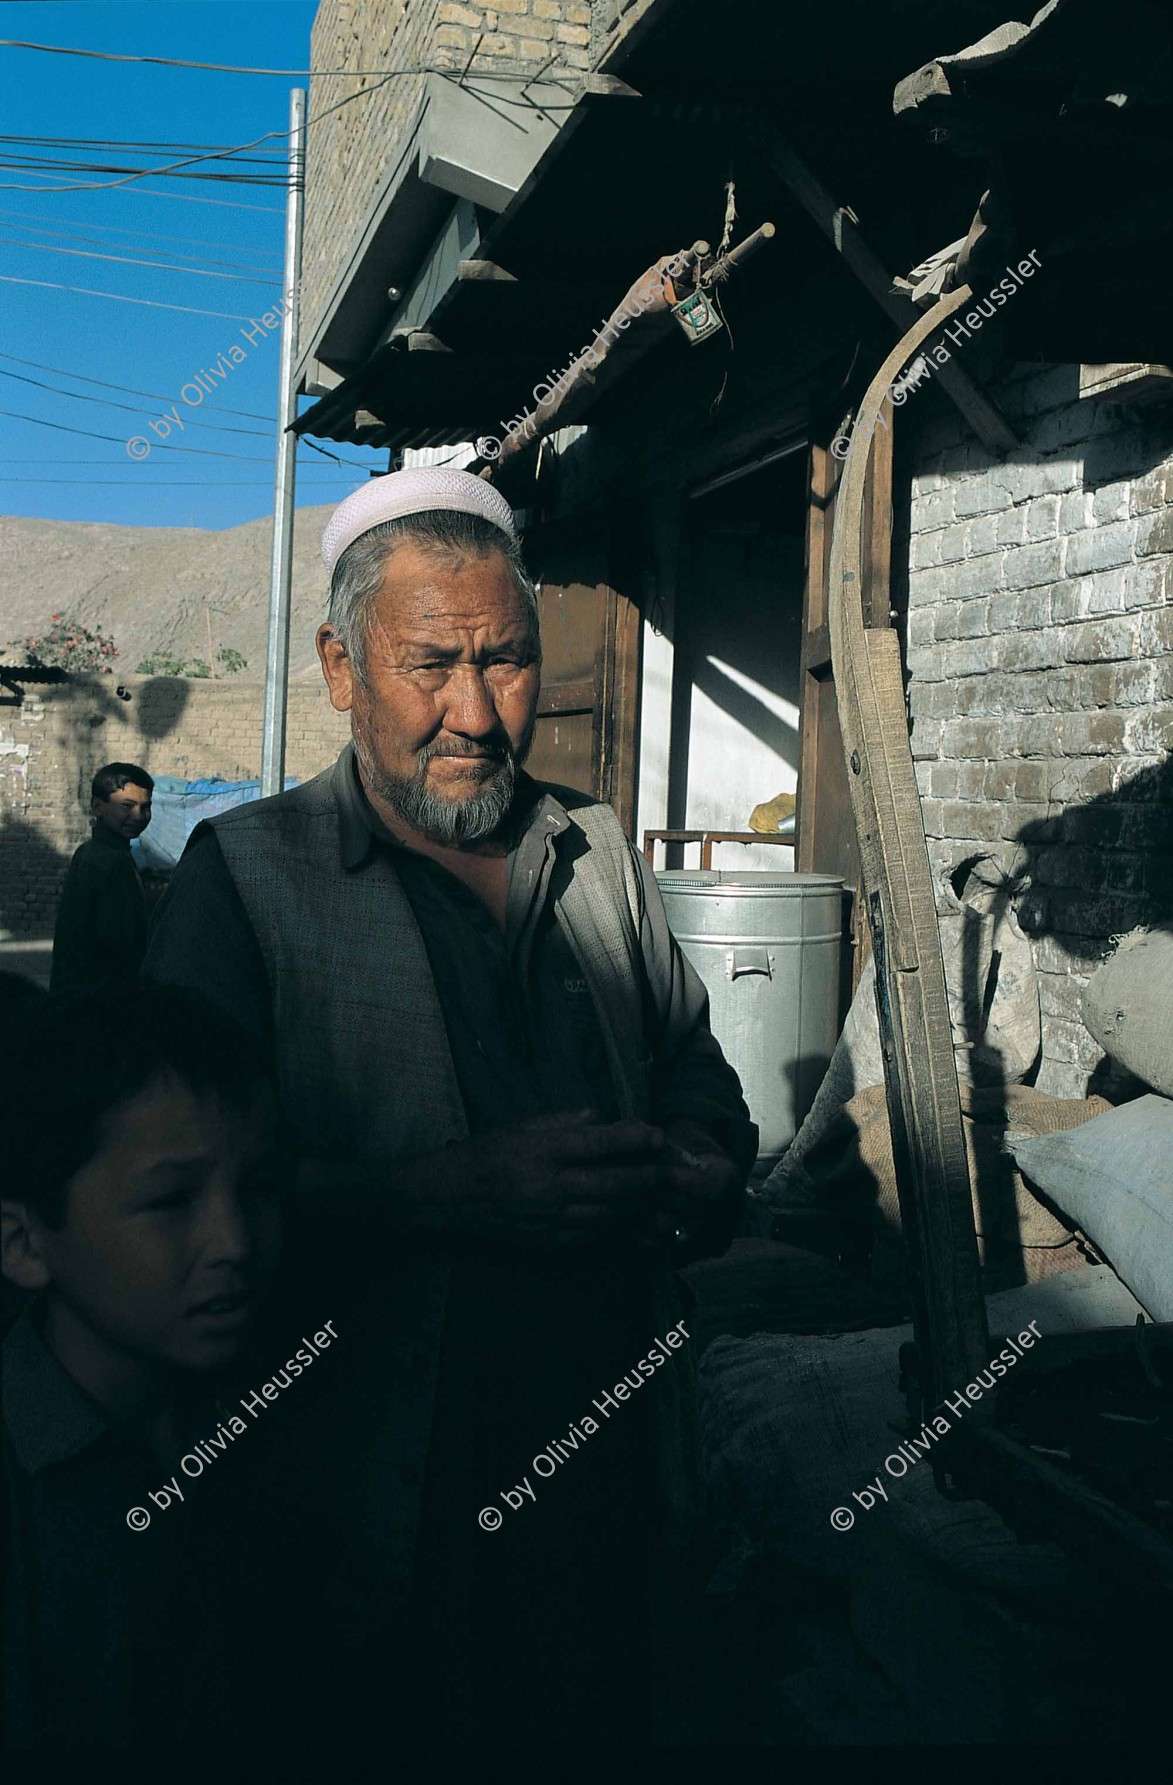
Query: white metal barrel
(767,947)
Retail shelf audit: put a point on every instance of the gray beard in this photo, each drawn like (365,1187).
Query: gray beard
(453,824)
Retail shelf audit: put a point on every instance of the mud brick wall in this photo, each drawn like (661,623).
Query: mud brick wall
(51,746)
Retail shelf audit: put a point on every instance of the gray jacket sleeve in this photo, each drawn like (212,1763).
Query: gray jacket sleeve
(692,1078)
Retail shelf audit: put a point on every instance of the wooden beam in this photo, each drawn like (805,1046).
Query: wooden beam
(924,1106)
(841,228)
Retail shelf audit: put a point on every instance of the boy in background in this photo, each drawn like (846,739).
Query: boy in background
(142,1207)
(101,931)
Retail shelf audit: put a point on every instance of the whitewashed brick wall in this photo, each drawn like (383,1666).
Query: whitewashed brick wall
(1040,652)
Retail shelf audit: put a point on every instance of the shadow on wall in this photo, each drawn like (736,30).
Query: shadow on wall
(31,872)
(160,705)
(1099,869)
(94,726)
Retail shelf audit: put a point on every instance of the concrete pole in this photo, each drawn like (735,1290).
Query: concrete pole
(277,665)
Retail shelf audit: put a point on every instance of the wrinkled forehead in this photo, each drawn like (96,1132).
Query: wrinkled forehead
(450,595)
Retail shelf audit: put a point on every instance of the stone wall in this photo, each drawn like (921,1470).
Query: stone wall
(1040,652)
(348,152)
(51,746)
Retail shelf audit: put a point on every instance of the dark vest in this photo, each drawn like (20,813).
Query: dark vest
(365,1071)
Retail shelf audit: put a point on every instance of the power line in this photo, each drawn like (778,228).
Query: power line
(128,390)
(523,100)
(185,483)
(132,408)
(138,145)
(60,427)
(152,235)
(187,198)
(121,298)
(40,166)
(137,409)
(128,261)
(57,49)
(269,136)
(72,235)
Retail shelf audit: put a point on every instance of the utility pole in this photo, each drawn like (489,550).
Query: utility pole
(277,665)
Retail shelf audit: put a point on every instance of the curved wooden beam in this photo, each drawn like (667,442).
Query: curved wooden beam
(923,1104)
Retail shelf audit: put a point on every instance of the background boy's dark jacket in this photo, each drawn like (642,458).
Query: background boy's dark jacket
(101,930)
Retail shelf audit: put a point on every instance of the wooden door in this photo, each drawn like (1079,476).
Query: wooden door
(826,829)
(587,715)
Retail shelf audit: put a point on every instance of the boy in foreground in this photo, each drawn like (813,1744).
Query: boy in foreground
(141,1207)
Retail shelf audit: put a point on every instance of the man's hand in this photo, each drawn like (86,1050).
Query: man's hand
(550,1184)
(702,1199)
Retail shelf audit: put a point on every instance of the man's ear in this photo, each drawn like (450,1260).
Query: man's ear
(337,669)
(20,1259)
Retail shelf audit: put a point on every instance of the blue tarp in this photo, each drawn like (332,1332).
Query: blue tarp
(178,806)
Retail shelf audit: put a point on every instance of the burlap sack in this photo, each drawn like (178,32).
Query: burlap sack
(1020,1239)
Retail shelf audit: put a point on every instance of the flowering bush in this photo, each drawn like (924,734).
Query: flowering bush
(67,644)
(230,661)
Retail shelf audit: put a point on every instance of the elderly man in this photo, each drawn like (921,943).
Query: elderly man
(499,1076)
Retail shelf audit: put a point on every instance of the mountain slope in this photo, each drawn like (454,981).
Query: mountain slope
(151,587)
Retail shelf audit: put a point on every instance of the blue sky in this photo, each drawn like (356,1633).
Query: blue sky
(64,476)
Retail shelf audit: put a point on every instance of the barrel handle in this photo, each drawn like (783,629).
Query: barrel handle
(739,961)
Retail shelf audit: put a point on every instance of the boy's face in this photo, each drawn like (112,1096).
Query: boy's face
(127,811)
(171,1231)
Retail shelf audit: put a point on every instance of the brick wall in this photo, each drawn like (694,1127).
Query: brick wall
(1040,652)
(611,20)
(349,151)
(51,747)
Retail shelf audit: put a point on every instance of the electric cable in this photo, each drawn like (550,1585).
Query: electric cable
(28,218)
(132,408)
(205,452)
(129,390)
(128,261)
(72,235)
(121,298)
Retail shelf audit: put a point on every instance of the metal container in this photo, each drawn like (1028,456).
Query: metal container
(767,947)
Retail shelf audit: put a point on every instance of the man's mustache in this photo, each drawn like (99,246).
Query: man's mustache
(498,748)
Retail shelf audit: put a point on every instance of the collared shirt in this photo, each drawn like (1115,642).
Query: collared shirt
(101,928)
(112,1638)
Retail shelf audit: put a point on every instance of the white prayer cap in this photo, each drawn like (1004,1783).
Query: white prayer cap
(416,491)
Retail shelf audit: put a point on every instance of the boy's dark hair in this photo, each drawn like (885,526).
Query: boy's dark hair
(119,774)
(80,1058)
